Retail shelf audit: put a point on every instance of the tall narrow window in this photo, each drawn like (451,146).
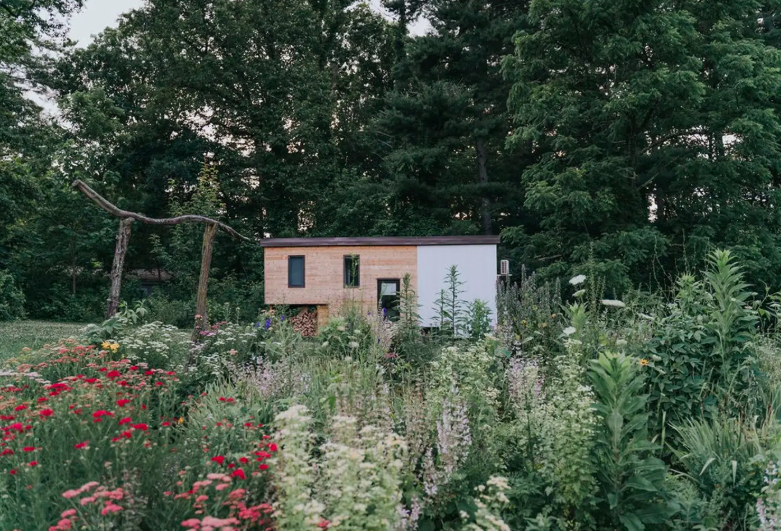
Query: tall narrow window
(295,271)
(352,271)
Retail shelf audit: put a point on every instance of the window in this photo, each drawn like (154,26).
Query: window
(295,271)
(352,271)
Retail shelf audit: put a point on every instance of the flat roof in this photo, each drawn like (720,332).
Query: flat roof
(380,241)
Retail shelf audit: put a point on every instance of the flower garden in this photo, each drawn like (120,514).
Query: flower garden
(576,412)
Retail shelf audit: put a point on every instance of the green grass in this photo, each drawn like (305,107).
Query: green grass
(14,336)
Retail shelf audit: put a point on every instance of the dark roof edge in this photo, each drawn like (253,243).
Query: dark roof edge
(380,241)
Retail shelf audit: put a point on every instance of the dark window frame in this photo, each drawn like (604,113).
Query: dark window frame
(290,270)
(347,271)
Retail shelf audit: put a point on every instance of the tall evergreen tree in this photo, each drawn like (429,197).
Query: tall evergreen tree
(656,130)
(447,121)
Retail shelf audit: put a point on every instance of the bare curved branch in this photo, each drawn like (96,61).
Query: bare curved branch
(118,212)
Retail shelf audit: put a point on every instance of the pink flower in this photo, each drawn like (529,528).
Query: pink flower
(126,420)
(272,447)
(110,508)
(192,522)
(68,512)
(46,412)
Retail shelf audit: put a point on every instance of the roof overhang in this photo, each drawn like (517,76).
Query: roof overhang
(380,241)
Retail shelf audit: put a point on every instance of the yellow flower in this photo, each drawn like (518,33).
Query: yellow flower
(181,420)
(106,345)
(643,362)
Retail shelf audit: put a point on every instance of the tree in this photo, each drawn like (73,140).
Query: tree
(446,121)
(656,132)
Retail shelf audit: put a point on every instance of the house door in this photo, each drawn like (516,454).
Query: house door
(388,297)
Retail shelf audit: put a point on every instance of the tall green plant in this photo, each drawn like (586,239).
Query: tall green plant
(631,488)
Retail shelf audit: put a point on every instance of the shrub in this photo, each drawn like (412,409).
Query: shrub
(11,298)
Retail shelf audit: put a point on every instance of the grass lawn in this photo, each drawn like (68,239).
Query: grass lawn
(16,335)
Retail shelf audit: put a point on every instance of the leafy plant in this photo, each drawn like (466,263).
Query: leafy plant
(631,480)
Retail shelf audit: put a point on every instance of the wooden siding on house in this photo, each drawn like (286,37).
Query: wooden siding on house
(324,274)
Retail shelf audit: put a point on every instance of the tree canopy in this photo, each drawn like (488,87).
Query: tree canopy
(630,136)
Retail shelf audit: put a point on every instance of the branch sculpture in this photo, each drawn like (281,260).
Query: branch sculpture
(118,212)
(126,219)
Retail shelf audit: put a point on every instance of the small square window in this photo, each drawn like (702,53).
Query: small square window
(352,271)
(295,272)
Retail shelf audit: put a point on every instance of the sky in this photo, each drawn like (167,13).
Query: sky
(96,16)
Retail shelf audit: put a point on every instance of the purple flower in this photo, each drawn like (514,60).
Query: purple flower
(282,318)
(257,325)
(268,323)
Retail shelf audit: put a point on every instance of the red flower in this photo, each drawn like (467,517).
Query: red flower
(262,455)
(28,449)
(12,472)
(123,402)
(264,466)
(243,460)
(7,451)
(272,447)
(81,445)
(149,372)
(7,417)
(42,399)
(166,423)
(91,380)
(77,411)
(46,412)
(113,374)
(232,465)
(159,384)
(238,473)
(126,420)
(133,368)
(142,427)
(99,414)
(20,407)
(218,459)
(170,373)
(248,424)
(32,463)
(102,369)
(127,434)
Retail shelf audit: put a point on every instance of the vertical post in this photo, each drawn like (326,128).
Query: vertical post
(201,306)
(123,238)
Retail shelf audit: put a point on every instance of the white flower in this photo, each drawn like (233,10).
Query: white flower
(580,293)
(570,330)
(612,302)
(575,281)
(353,344)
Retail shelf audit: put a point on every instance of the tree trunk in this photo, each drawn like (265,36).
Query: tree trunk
(201,307)
(123,237)
(482,173)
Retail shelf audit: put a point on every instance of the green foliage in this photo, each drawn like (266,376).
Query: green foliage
(725,459)
(631,479)
(11,298)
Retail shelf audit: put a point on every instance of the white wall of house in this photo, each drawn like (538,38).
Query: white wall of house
(477,267)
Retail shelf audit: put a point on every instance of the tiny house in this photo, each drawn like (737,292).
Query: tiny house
(328,272)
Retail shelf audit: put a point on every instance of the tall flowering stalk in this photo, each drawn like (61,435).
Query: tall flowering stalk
(296,509)
(769,503)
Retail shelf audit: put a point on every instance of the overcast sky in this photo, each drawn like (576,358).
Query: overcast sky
(98,14)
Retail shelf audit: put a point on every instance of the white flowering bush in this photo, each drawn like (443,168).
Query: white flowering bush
(769,504)
(354,484)
(157,344)
(491,501)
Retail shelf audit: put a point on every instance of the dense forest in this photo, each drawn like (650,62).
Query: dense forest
(626,136)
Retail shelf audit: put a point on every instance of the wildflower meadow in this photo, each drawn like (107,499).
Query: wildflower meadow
(577,411)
